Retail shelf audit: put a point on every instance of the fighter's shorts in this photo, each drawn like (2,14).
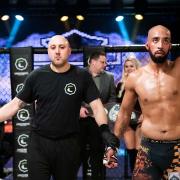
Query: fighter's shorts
(157,160)
(134,125)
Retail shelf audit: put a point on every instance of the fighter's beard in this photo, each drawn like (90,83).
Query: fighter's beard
(158,60)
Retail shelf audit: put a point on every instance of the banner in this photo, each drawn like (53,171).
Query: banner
(21,64)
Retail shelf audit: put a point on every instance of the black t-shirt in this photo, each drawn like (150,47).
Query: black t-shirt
(58,99)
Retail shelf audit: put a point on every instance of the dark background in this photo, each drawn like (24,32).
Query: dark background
(42,16)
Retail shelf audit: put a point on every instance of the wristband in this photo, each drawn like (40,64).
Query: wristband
(109,138)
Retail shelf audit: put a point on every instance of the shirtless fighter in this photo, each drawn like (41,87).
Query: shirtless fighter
(157,87)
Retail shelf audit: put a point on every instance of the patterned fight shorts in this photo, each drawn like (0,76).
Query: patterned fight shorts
(158,160)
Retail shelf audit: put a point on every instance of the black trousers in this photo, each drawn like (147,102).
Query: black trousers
(53,158)
(92,150)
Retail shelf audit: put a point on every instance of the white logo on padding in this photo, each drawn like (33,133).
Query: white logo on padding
(23,115)
(21,64)
(23,166)
(19,87)
(113,112)
(70,88)
(22,140)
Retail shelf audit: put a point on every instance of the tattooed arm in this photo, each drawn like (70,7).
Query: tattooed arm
(10,109)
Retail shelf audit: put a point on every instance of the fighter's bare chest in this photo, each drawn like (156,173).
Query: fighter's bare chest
(158,87)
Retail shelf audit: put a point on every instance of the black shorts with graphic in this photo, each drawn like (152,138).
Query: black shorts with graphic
(157,160)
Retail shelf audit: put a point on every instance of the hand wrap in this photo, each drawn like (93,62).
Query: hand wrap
(109,138)
(112,159)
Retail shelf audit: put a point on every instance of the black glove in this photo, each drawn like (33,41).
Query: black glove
(109,138)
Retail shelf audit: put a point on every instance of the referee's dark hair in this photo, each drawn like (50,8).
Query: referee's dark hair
(95,55)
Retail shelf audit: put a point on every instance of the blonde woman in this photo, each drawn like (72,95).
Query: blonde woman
(132,133)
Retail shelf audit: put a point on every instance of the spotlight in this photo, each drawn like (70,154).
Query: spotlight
(14,30)
(139,17)
(122,27)
(19,17)
(66,22)
(80,17)
(119,18)
(5,17)
(64,18)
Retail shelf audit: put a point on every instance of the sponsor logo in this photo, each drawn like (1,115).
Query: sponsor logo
(23,175)
(21,150)
(113,112)
(19,87)
(22,165)
(22,140)
(22,124)
(70,89)
(21,73)
(23,115)
(21,64)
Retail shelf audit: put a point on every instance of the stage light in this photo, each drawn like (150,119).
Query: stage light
(13,32)
(19,17)
(79,20)
(139,17)
(119,18)
(122,27)
(5,17)
(80,17)
(64,18)
(66,22)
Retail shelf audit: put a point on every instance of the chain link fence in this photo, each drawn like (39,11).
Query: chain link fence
(5,87)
